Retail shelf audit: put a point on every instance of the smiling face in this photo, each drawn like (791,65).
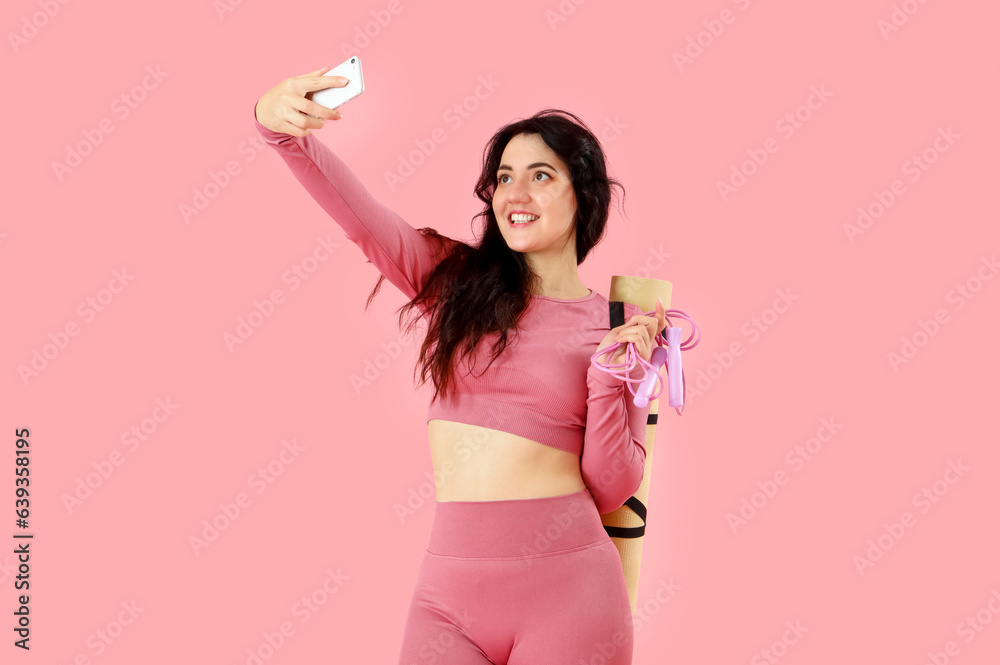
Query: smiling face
(532,180)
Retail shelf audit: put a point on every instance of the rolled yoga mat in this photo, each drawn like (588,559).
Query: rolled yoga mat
(627,525)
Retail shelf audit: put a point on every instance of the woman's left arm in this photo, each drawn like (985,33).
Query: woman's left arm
(614,451)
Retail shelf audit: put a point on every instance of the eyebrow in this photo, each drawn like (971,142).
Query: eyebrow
(530,166)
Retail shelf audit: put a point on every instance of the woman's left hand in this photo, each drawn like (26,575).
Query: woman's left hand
(640,330)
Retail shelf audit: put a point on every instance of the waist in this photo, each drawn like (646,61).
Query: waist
(474,463)
(516,527)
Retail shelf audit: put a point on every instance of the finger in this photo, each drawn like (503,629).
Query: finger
(302,122)
(645,334)
(319,82)
(293,114)
(294,130)
(640,320)
(640,344)
(314,72)
(643,327)
(312,108)
(652,325)
(642,337)
(640,326)
(661,315)
(639,339)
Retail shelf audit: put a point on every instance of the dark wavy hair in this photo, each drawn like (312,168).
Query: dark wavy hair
(485,288)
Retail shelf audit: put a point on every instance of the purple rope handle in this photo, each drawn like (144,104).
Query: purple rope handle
(623,370)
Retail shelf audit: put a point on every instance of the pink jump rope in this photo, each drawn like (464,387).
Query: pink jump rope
(669,353)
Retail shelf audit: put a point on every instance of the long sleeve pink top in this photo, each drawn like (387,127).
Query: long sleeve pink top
(543,386)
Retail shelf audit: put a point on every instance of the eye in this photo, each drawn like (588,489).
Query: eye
(500,178)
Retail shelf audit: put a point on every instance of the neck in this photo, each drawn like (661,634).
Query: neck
(556,279)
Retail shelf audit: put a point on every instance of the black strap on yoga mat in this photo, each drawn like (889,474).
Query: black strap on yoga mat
(617,315)
(617,310)
(630,531)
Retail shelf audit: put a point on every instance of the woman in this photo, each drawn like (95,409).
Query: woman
(529,451)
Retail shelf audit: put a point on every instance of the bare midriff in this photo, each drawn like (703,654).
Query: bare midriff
(474,463)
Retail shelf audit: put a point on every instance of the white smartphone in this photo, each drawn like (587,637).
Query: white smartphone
(334,97)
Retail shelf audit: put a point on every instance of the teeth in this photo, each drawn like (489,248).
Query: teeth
(522,217)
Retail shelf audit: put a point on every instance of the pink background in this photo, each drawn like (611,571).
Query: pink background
(680,130)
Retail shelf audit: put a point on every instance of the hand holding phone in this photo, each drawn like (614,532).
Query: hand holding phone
(336,96)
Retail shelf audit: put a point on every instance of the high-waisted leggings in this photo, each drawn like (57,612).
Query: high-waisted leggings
(519,582)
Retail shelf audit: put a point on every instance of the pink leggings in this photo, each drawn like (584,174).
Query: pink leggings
(519,582)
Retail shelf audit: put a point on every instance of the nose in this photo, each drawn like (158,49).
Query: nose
(517,191)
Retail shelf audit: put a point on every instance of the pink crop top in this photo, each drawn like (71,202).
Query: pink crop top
(542,386)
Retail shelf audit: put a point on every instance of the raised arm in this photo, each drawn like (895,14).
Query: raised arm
(398,250)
